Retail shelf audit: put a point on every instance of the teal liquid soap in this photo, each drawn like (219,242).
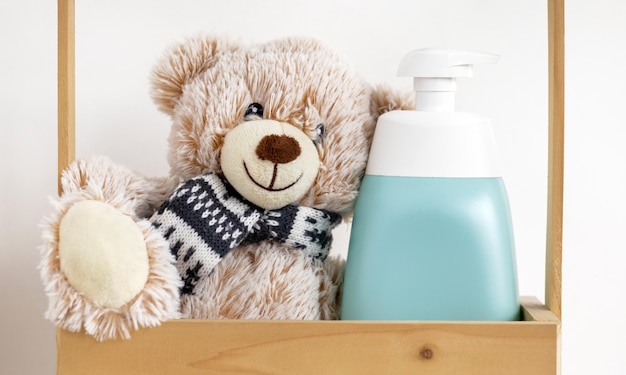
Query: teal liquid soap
(426,248)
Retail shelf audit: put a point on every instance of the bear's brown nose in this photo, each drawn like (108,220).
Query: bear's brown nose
(278,149)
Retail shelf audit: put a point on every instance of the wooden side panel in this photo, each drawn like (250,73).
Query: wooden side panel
(556,113)
(534,311)
(335,347)
(66,86)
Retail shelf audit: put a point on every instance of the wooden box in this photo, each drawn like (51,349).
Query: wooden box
(531,346)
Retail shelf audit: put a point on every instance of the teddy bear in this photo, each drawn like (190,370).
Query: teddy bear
(268,145)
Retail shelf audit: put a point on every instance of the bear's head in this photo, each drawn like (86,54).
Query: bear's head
(285,122)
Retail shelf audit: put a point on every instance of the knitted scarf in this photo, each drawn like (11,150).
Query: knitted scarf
(205,218)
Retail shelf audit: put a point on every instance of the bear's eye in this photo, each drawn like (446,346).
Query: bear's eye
(254,111)
(320,130)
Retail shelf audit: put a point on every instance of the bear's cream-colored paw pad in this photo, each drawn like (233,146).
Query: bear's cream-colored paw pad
(102,253)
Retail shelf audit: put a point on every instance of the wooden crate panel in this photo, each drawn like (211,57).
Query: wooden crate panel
(336,347)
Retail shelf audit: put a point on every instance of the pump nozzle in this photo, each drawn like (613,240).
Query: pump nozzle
(434,73)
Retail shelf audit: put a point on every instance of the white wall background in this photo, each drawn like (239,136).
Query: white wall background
(118,41)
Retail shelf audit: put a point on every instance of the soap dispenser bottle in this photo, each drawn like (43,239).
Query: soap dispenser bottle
(432,236)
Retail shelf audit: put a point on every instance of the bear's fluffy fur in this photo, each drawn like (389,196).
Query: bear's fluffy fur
(205,84)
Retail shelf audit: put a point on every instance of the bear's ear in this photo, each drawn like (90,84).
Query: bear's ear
(181,63)
(385,98)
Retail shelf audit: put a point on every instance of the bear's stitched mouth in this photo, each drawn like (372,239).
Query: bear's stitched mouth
(274,175)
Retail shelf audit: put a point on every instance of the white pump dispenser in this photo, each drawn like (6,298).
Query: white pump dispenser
(434,73)
(443,143)
(432,236)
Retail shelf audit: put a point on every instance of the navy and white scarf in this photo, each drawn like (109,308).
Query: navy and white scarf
(205,218)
